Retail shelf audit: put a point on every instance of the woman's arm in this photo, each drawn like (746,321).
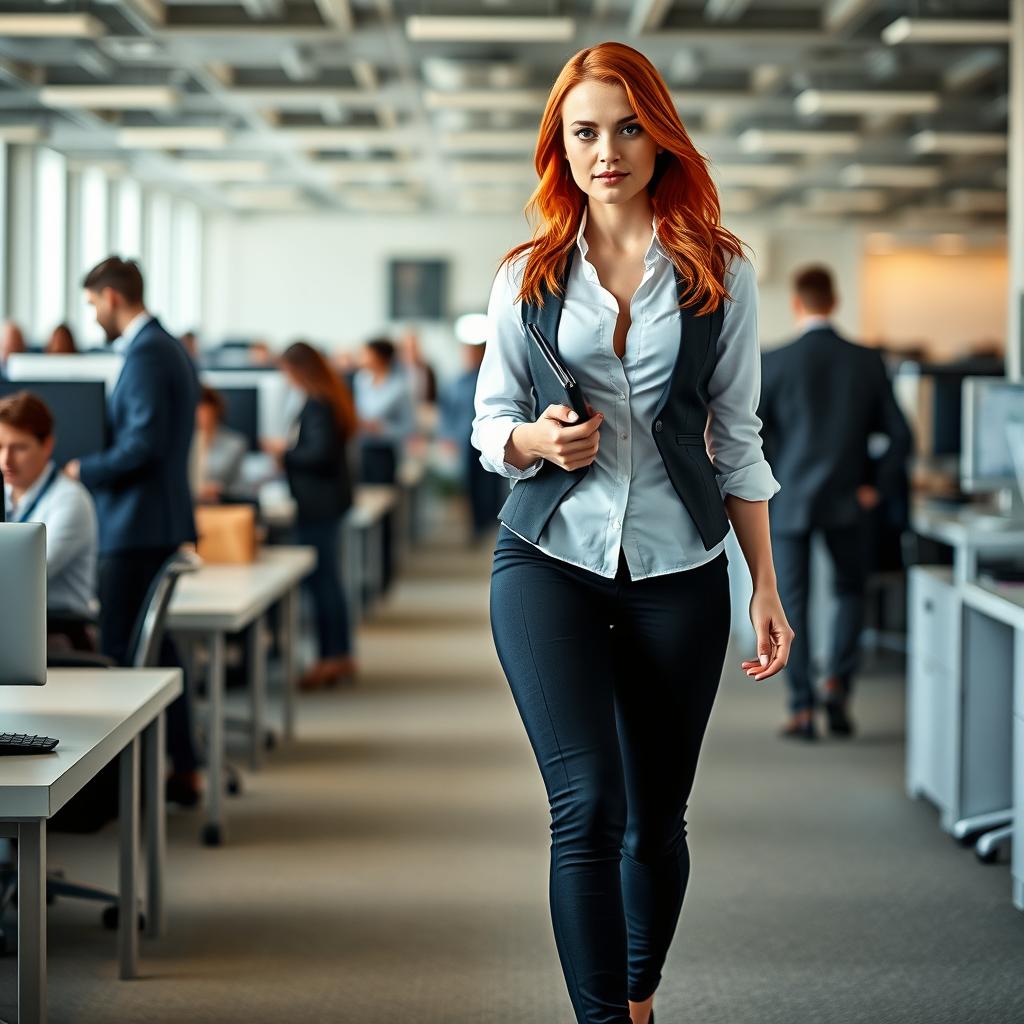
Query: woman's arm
(774,636)
(744,477)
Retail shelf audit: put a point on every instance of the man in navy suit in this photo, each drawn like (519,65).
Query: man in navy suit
(822,397)
(140,482)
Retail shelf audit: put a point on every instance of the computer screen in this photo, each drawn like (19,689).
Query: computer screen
(990,405)
(23,604)
(243,413)
(79,410)
(104,366)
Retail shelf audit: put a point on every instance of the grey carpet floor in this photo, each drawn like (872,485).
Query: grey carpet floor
(391,865)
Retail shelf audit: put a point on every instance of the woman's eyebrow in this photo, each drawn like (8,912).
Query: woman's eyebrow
(593,124)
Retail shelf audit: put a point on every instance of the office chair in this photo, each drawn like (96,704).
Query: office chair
(143,652)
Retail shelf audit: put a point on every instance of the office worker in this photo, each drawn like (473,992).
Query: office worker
(140,482)
(387,415)
(62,342)
(609,591)
(821,399)
(12,341)
(316,464)
(219,449)
(35,491)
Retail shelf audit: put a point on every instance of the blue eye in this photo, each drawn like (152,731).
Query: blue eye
(633,129)
(578,135)
(637,128)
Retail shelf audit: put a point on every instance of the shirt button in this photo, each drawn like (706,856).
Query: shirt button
(617,524)
(624,437)
(657,426)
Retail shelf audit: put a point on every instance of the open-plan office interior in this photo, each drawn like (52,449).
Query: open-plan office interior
(253,343)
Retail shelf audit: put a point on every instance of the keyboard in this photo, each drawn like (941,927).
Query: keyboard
(21,743)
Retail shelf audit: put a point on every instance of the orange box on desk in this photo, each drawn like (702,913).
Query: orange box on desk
(227,533)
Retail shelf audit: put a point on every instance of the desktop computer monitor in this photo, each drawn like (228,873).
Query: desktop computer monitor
(104,366)
(243,413)
(79,410)
(990,406)
(23,604)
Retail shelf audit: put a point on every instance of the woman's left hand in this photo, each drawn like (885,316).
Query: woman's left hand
(774,637)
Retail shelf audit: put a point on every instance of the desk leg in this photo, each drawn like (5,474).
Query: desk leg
(127,915)
(289,616)
(352,575)
(32,922)
(213,831)
(375,559)
(257,655)
(155,824)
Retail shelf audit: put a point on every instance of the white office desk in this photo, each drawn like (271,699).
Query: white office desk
(222,599)
(969,532)
(97,714)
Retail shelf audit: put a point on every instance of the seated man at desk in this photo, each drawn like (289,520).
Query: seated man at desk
(221,450)
(35,491)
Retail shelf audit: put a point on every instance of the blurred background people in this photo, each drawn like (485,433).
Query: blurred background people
(219,449)
(140,483)
(12,341)
(387,415)
(190,341)
(62,342)
(822,397)
(36,491)
(485,491)
(422,379)
(316,463)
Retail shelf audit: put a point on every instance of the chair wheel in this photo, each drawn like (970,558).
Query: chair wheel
(112,919)
(234,787)
(269,741)
(211,835)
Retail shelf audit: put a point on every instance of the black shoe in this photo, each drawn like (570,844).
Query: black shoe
(182,789)
(799,730)
(839,723)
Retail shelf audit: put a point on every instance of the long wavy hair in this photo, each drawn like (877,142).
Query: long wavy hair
(683,196)
(317,379)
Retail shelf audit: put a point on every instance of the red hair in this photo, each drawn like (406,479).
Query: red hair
(683,196)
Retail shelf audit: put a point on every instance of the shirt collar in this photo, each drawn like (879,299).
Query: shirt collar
(814,323)
(654,250)
(29,496)
(131,332)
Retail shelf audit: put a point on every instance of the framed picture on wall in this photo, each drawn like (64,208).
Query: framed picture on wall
(417,289)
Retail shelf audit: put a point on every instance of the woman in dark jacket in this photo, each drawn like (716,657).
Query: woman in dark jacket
(316,464)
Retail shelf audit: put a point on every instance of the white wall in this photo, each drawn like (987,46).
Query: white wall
(280,277)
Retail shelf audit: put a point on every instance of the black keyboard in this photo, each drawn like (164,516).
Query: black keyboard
(20,743)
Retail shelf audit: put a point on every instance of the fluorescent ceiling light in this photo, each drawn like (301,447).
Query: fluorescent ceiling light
(951,30)
(840,13)
(302,98)
(891,175)
(172,138)
(490,142)
(337,13)
(725,10)
(110,97)
(758,140)
(21,133)
(493,171)
(47,26)
(225,170)
(959,142)
(866,101)
(270,197)
(490,29)
(486,99)
(868,200)
(767,175)
(338,138)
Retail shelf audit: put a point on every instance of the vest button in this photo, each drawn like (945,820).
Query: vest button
(657,426)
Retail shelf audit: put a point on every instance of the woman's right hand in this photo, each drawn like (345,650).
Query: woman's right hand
(557,437)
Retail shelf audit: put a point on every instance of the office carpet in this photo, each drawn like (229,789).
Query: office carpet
(390,867)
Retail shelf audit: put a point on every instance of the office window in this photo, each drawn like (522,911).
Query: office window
(126,238)
(186,268)
(94,245)
(50,242)
(156,265)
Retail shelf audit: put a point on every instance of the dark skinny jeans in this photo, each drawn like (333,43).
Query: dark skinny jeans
(614,681)
(324,586)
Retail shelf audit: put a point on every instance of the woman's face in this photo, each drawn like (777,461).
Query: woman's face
(601,133)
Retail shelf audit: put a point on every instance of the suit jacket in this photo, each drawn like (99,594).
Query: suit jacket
(317,465)
(140,482)
(821,398)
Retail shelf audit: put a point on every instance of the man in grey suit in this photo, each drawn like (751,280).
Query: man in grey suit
(822,397)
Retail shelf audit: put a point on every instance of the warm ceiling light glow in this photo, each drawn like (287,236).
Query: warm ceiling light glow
(110,97)
(758,140)
(489,29)
(865,101)
(225,170)
(890,175)
(951,30)
(958,142)
(172,138)
(49,26)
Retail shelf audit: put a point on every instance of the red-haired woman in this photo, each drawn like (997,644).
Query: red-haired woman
(318,475)
(610,590)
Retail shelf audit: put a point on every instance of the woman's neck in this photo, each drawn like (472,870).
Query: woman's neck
(620,227)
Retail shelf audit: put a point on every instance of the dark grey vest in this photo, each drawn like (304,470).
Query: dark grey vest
(678,427)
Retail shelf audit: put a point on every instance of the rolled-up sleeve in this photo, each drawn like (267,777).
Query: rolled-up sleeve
(504,391)
(734,430)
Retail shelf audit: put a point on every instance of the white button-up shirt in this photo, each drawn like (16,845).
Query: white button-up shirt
(626,500)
